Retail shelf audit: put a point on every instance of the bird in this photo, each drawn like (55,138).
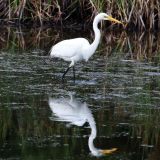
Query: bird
(77,113)
(77,49)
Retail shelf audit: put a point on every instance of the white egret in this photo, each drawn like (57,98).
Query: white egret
(77,49)
(77,113)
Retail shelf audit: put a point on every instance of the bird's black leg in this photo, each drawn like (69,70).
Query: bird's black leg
(65,73)
(74,76)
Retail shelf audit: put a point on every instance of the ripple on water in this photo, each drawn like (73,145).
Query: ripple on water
(85,82)
(152,73)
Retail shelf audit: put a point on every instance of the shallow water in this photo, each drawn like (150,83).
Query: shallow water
(117,94)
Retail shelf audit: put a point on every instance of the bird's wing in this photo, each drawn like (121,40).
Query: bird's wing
(68,48)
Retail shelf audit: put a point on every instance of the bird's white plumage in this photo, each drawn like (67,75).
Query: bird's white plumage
(71,49)
(69,110)
(76,113)
(78,49)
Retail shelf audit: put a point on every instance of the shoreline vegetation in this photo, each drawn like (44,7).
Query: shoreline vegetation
(138,14)
(143,46)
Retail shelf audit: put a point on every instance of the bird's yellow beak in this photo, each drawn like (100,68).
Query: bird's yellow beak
(108,151)
(113,19)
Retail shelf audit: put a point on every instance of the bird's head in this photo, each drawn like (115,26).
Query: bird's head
(104,16)
(100,152)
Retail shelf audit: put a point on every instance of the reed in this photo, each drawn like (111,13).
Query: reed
(138,46)
(138,14)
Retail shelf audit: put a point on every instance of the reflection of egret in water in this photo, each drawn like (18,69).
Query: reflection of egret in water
(77,113)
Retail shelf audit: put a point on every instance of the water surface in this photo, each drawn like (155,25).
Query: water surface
(119,87)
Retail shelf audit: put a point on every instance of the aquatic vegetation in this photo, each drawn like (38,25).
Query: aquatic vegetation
(139,46)
(138,14)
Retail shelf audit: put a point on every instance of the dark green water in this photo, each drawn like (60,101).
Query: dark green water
(119,88)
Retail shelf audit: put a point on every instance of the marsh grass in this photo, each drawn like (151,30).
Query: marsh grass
(138,46)
(137,14)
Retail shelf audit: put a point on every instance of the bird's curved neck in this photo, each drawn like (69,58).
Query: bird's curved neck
(92,136)
(92,48)
(97,33)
